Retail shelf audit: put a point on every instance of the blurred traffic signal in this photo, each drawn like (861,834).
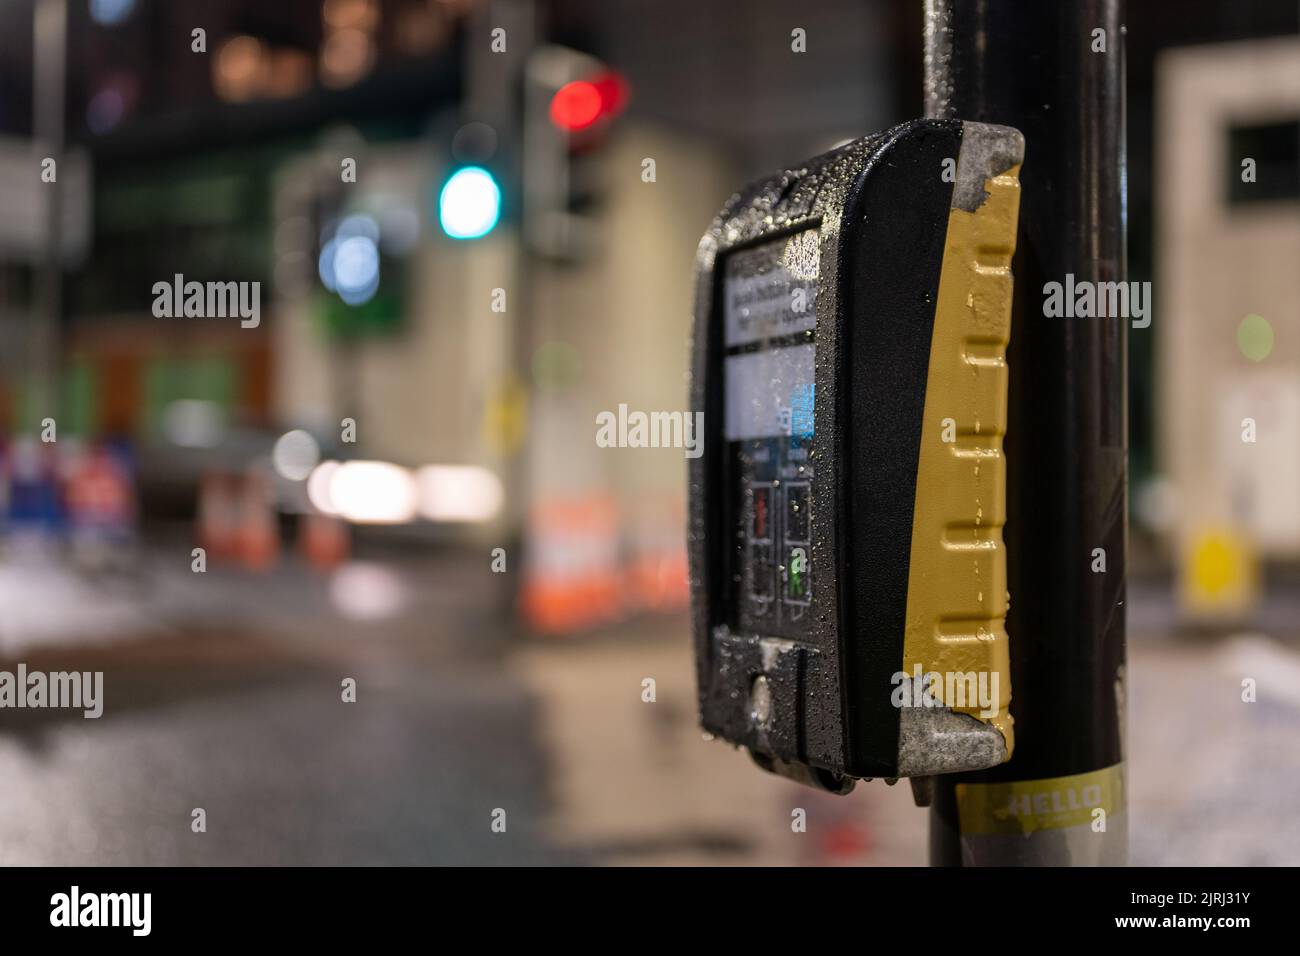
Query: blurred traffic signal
(581,104)
(570,99)
(575,106)
(470,203)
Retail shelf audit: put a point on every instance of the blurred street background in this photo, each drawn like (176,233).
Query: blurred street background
(472,225)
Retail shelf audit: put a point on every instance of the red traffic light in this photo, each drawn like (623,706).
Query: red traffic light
(578,105)
(575,105)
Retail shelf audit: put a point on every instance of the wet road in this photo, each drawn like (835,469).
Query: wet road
(223,692)
(233,704)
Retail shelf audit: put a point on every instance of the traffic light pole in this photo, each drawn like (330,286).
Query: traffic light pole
(1055,71)
(49,71)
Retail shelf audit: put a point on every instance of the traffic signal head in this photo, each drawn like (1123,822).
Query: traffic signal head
(848,579)
(569,100)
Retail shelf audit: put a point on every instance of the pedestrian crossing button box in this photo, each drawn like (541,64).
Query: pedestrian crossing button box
(847,569)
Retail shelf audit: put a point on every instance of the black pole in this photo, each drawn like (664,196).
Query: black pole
(1043,68)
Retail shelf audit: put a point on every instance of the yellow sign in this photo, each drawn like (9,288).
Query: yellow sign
(505,418)
(1219,574)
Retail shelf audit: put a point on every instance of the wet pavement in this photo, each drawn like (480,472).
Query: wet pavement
(232,702)
(223,692)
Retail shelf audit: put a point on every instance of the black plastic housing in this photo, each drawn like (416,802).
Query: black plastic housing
(881,207)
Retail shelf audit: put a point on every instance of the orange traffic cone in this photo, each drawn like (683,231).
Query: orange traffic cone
(259,536)
(217,517)
(571,575)
(323,541)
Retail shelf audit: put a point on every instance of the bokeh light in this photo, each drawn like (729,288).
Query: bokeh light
(110,12)
(459,493)
(1255,337)
(469,204)
(295,454)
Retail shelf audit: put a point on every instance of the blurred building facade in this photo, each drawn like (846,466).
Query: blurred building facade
(1229,355)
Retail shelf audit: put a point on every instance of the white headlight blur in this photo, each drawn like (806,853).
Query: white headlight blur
(372,492)
(458,493)
(318,487)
